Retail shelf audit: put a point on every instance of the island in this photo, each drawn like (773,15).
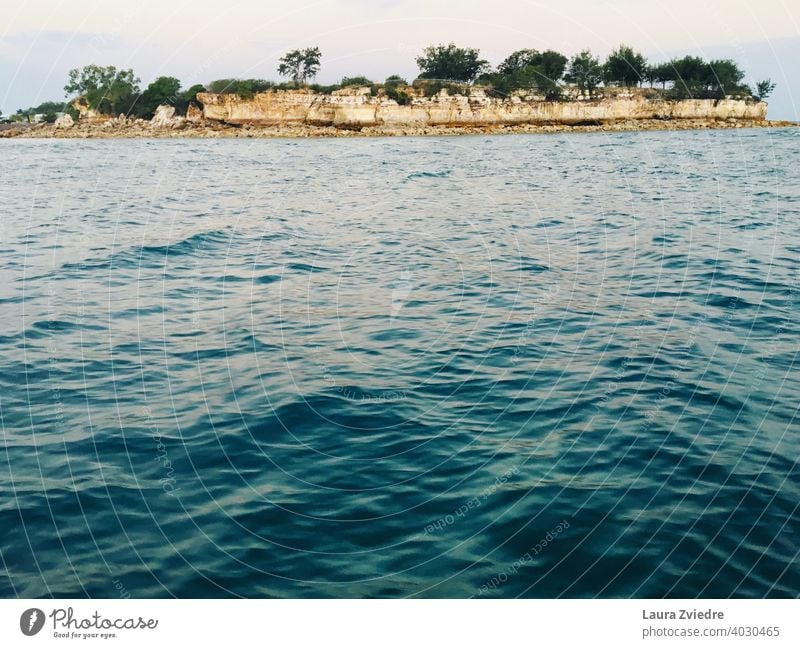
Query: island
(455,93)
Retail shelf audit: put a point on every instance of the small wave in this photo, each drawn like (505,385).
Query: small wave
(148,256)
(191,245)
(428,174)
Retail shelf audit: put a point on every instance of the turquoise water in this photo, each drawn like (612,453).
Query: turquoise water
(482,366)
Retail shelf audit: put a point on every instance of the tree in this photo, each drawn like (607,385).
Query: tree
(528,69)
(625,67)
(106,89)
(585,71)
(187,97)
(764,89)
(164,90)
(690,76)
(724,77)
(300,65)
(518,60)
(661,73)
(451,63)
(550,64)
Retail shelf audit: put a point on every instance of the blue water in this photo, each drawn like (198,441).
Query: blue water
(449,367)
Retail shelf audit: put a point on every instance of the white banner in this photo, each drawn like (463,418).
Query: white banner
(399,623)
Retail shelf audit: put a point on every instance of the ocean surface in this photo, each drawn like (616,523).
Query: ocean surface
(516,366)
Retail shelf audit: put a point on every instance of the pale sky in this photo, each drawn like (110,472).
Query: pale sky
(202,40)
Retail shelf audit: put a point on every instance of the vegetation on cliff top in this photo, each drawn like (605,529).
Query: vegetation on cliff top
(547,74)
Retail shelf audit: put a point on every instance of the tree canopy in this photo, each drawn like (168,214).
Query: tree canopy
(724,77)
(106,89)
(300,65)
(691,76)
(451,63)
(764,89)
(550,64)
(530,70)
(585,71)
(49,110)
(625,67)
(164,90)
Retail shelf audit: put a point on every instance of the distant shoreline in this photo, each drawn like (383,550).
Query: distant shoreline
(141,129)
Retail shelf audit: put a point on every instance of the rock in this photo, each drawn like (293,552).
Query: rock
(86,114)
(65,121)
(351,109)
(116,122)
(164,117)
(193,113)
(353,91)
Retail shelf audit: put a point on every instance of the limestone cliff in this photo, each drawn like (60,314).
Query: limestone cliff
(358,109)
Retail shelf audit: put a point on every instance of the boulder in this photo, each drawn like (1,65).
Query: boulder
(65,121)
(163,117)
(193,113)
(116,122)
(86,114)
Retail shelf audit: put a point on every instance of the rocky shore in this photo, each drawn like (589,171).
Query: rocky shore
(301,114)
(359,112)
(182,128)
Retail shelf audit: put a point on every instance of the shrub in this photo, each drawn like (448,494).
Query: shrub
(355,81)
(400,96)
(245,88)
(431,87)
(324,89)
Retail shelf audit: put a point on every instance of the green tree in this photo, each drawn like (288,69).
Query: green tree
(689,77)
(188,97)
(164,90)
(48,109)
(585,71)
(518,60)
(106,89)
(300,65)
(724,77)
(625,67)
(553,64)
(550,64)
(448,62)
(764,89)
(662,73)
(528,69)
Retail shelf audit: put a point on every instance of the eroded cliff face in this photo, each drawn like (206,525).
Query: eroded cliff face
(359,110)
